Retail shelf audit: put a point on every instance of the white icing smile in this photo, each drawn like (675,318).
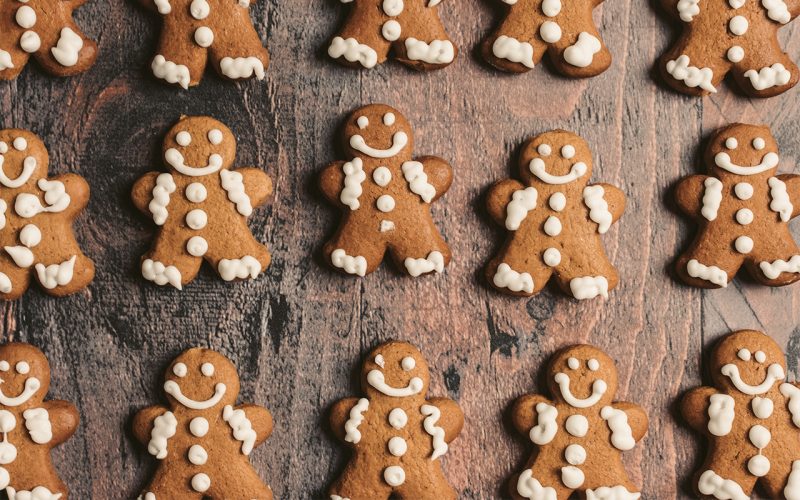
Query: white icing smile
(175,159)
(28,166)
(173,389)
(539,169)
(774,373)
(723,161)
(376,380)
(599,387)
(399,141)
(32,385)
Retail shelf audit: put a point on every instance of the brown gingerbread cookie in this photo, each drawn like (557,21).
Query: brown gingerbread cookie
(751,418)
(195,30)
(555,219)
(36,217)
(580,434)
(743,209)
(201,206)
(410,29)
(202,440)
(385,195)
(30,426)
(44,30)
(730,36)
(566,32)
(396,434)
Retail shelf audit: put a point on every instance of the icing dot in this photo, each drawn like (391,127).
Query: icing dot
(593,365)
(743,190)
(30,236)
(4,366)
(25,17)
(568,151)
(550,32)
(393,7)
(738,25)
(552,226)
(183,138)
(577,425)
(201,482)
(731,143)
(573,363)
(743,244)
(743,354)
(544,149)
(557,201)
(398,418)
(198,427)
(408,363)
(196,192)
(197,246)
(197,455)
(759,143)
(735,4)
(199,9)
(20,144)
(397,446)
(30,42)
(3,148)
(197,219)
(575,454)
(391,30)
(207,369)
(394,475)
(388,119)
(204,36)
(362,122)
(382,176)
(735,54)
(744,216)
(380,361)
(215,136)
(758,465)
(760,356)
(552,257)
(551,8)
(23,367)
(385,203)
(179,370)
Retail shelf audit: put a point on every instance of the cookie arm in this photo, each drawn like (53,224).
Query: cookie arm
(143,422)
(142,192)
(524,414)
(78,190)
(689,194)
(439,172)
(637,418)
(615,198)
(340,414)
(694,407)
(64,419)
(257,185)
(261,420)
(792,182)
(451,418)
(499,197)
(331,182)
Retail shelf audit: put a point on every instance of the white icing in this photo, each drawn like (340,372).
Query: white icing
(758,465)
(5,60)
(5,283)
(196,219)
(621,433)
(241,426)
(688,9)
(551,8)
(163,6)
(351,265)
(179,370)
(414,173)
(743,244)
(568,151)
(550,31)
(233,184)
(544,149)
(23,367)
(780,203)
(557,201)
(197,246)
(432,415)
(762,407)
(599,388)
(759,143)
(30,42)
(792,490)
(376,380)
(723,160)
(32,385)
(575,454)
(197,455)
(397,446)
(712,197)
(691,76)
(170,71)
(760,356)
(589,287)
(56,274)
(581,53)
(30,235)
(436,52)
(768,76)
(738,25)
(382,176)
(387,225)
(28,166)
(552,226)
(399,141)
(792,393)
(573,363)
(391,30)
(37,493)
(577,425)
(173,389)
(777,10)
(618,492)
(709,273)
(165,185)
(408,363)
(774,373)
(21,256)
(201,482)
(385,203)
(398,418)
(711,483)
(198,426)
(246,267)
(759,436)
(20,144)
(175,159)
(774,269)
(551,257)
(204,37)
(505,277)
(37,421)
(353,177)
(593,365)
(25,17)
(522,202)
(744,216)
(598,208)
(164,427)
(572,477)
(546,426)
(215,136)
(529,487)
(183,138)
(388,119)
(158,273)
(352,434)
(392,7)
(242,67)
(538,168)
(394,475)
(55,196)
(434,262)
(199,9)
(511,49)
(353,51)
(735,54)
(67,50)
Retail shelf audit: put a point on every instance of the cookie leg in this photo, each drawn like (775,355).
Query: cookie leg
(355,250)
(764,75)
(716,482)
(686,68)
(64,273)
(358,44)
(360,482)
(427,487)
(230,488)
(421,252)
(423,42)
(180,60)
(585,271)
(518,270)
(239,258)
(780,271)
(164,264)
(14,280)
(513,46)
(239,54)
(708,264)
(578,54)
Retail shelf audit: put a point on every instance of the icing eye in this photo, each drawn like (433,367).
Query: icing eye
(20,144)
(544,149)
(731,143)
(207,369)
(23,367)
(743,354)
(215,136)
(4,366)
(3,148)
(183,138)
(408,363)
(573,363)
(568,151)
(362,122)
(179,370)
(380,361)
(388,119)
(759,143)
(760,356)
(593,365)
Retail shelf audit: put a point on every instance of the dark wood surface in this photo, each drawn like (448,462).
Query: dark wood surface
(297,334)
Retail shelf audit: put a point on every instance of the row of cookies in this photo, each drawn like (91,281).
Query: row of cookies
(397,435)
(723,37)
(553,216)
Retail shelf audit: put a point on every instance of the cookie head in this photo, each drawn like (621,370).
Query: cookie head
(396,370)
(377,131)
(557,157)
(583,376)
(198,146)
(23,157)
(24,375)
(201,379)
(749,362)
(743,150)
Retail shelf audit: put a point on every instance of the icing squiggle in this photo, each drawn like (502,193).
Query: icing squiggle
(241,426)
(164,427)
(165,186)
(233,184)
(352,434)
(522,202)
(598,207)
(780,203)
(353,177)
(414,173)
(546,426)
(432,415)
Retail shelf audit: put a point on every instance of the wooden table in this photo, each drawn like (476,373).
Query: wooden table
(297,334)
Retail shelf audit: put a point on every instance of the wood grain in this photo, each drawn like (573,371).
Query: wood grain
(297,334)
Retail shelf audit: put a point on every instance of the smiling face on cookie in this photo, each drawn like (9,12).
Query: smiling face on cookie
(23,157)
(556,158)
(397,370)
(743,150)
(583,377)
(201,379)
(24,375)
(377,131)
(198,146)
(749,362)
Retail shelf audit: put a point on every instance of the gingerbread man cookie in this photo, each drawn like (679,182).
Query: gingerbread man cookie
(396,434)
(30,426)
(743,209)
(196,30)
(751,418)
(44,30)
(580,434)
(566,32)
(201,207)
(385,195)
(36,216)
(736,36)
(555,220)
(410,29)
(203,441)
